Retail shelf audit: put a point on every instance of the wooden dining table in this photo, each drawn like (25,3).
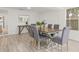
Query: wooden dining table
(49,31)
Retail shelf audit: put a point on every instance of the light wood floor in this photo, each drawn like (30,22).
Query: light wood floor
(24,43)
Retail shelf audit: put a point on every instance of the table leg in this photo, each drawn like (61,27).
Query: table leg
(19,30)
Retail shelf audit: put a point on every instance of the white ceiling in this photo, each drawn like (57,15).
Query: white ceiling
(35,9)
(40,9)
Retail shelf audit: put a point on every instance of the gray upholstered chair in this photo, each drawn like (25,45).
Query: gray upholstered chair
(37,37)
(63,39)
(56,26)
(50,26)
(33,24)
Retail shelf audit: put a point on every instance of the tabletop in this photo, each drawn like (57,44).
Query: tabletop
(48,30)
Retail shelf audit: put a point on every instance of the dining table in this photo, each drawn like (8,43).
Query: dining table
(50,32)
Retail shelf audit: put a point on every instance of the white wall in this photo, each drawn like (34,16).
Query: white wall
(55,17)
(74,35)
(12,18)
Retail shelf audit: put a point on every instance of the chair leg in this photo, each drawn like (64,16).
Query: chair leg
(67,46)
(58,47)
(61,48)
(34,43)
(38,44)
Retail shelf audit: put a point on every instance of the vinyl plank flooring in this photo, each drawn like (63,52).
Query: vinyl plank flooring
(25,43)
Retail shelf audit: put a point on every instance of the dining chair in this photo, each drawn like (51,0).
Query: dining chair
(56,26)
(63,39)
(50,26)
(37,37)
(33,24)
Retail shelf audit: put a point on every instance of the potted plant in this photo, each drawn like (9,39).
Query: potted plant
(40,23)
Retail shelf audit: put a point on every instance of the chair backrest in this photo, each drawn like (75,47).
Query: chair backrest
(50,26)
(29,28)
(56,26)
(35,31)
(65,35)
(33,24)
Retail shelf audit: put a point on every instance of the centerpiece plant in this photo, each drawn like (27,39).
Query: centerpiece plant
(40,24)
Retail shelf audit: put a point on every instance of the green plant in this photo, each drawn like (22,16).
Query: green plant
(40,23)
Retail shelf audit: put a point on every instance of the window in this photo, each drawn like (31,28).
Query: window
(72,18)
